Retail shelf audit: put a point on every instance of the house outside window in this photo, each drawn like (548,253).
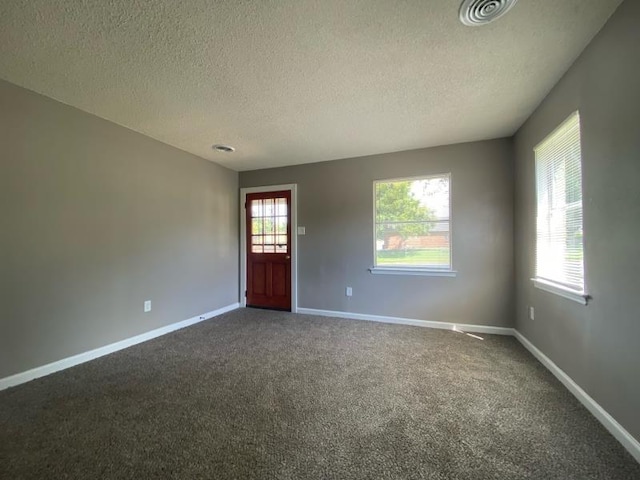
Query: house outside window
(412,224)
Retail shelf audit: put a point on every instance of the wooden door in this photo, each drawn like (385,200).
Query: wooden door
(268,217)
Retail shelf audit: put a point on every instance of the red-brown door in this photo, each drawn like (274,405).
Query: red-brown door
(269,250)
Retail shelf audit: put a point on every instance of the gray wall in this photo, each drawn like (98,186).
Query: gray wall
(597,345)
(335,204)
(95,219)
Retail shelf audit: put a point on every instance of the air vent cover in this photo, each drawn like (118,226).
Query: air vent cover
(223,148)
(474,13)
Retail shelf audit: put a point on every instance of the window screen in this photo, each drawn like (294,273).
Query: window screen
(412,223)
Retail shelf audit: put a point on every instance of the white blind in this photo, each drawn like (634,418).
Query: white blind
(559,243)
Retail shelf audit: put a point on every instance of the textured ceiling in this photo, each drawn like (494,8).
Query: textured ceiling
(295,81)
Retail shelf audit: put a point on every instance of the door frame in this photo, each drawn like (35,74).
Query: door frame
(292,187)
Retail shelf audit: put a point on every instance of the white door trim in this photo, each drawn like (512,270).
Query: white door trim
(292,187)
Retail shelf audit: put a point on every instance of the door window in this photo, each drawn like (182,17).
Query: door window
(269,217)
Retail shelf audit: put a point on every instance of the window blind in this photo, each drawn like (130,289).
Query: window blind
(559,242)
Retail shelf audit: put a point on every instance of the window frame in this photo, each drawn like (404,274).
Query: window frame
(417,270)
(554,286)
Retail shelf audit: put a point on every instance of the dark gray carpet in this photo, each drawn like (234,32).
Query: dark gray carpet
(268,395)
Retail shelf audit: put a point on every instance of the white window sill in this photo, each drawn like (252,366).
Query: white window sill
(425,272)
(580,297)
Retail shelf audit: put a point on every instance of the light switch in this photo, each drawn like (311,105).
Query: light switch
(302,230)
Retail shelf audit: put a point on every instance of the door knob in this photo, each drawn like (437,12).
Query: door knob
(288,257)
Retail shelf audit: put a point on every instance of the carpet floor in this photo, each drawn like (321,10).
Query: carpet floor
(256,394)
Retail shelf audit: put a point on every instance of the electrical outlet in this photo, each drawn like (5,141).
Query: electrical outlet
(349,292)
(147,306)
(532,313)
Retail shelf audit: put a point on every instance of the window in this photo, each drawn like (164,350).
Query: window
(559,240)
(412,225)
(269,224)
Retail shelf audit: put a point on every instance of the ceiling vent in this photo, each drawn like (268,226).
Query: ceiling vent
(474,13)
(223,148)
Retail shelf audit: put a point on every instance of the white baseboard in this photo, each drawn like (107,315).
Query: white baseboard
(38,372)
(410,321)
(625,438)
